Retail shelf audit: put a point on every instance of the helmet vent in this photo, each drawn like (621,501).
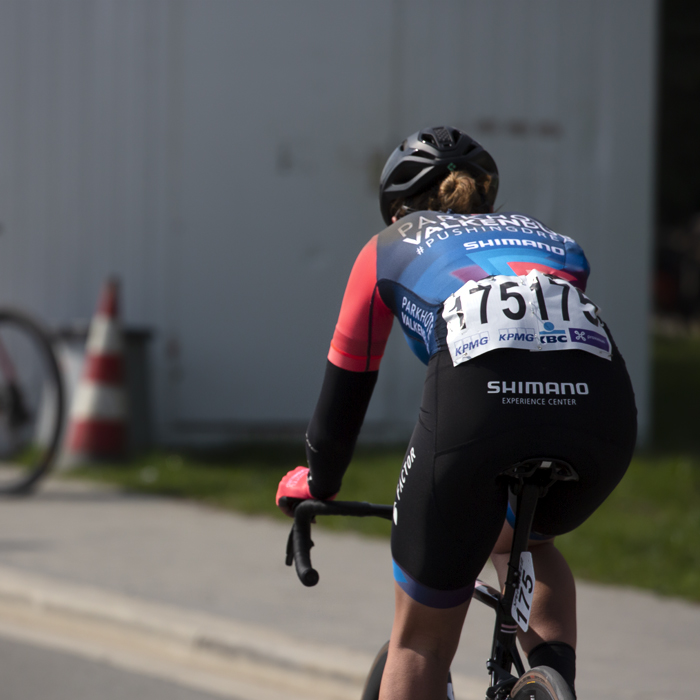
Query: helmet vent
(444,137)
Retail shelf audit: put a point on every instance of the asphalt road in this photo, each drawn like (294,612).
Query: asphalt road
(32,672)
(201,598)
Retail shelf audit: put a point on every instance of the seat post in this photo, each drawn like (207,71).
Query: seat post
(524,515)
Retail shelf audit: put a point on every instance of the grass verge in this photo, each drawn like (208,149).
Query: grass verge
(676,394)
(647,534)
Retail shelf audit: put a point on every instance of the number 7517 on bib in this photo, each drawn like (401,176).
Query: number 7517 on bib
(536,312)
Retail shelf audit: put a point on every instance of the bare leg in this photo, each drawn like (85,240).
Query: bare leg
(423,643)
(553,617)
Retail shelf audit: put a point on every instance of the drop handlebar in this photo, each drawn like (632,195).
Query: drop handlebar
(305,511)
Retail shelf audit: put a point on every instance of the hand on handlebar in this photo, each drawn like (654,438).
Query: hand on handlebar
(294,484)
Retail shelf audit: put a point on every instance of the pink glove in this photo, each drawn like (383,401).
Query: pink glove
(294,484)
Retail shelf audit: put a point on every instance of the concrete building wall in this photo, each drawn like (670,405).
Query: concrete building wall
(222,157)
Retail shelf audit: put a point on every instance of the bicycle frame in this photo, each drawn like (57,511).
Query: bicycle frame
(529,481)
(504,651)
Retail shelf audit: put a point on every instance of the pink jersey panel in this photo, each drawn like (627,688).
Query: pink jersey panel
(523,268)
(365,321)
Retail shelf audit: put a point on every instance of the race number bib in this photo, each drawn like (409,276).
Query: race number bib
(522,602)
(537,312)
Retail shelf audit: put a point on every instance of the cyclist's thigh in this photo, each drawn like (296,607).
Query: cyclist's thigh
(447,517)
(450,502)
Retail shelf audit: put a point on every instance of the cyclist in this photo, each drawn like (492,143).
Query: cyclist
(520,365)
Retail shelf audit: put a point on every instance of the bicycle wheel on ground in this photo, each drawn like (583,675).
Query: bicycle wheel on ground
(374,677)
(541,683)
(31,402)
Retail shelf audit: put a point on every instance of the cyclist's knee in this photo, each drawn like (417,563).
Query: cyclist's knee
(431,632)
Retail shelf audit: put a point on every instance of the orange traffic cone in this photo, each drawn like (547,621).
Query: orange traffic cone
(98,417)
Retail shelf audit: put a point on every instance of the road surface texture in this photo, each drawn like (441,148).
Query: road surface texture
(173,594)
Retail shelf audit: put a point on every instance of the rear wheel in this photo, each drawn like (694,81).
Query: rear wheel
(31,402)
(374,677)
(541,683)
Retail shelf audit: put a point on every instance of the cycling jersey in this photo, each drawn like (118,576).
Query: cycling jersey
(408,270)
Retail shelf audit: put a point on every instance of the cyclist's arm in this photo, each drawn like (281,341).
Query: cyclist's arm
(356,350)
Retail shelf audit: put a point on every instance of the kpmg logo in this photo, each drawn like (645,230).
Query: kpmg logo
(551,335)
(470,344)
(523,335)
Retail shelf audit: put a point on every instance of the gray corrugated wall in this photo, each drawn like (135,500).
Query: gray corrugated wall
(86,91)
(83,87)
(222,157)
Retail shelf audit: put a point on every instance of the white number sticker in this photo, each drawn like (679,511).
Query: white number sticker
(529,312)
(522,603)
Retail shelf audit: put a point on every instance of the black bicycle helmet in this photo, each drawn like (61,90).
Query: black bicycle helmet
(428,156)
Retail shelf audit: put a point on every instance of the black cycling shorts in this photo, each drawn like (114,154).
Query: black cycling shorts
(479,418)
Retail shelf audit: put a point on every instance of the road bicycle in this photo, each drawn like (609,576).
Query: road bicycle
(31,402)
(528,480)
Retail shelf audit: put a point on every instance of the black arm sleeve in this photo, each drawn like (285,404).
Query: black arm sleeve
(335,425)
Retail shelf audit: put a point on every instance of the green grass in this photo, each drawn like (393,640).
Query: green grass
(676,394)
(244,479)
(647,534)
